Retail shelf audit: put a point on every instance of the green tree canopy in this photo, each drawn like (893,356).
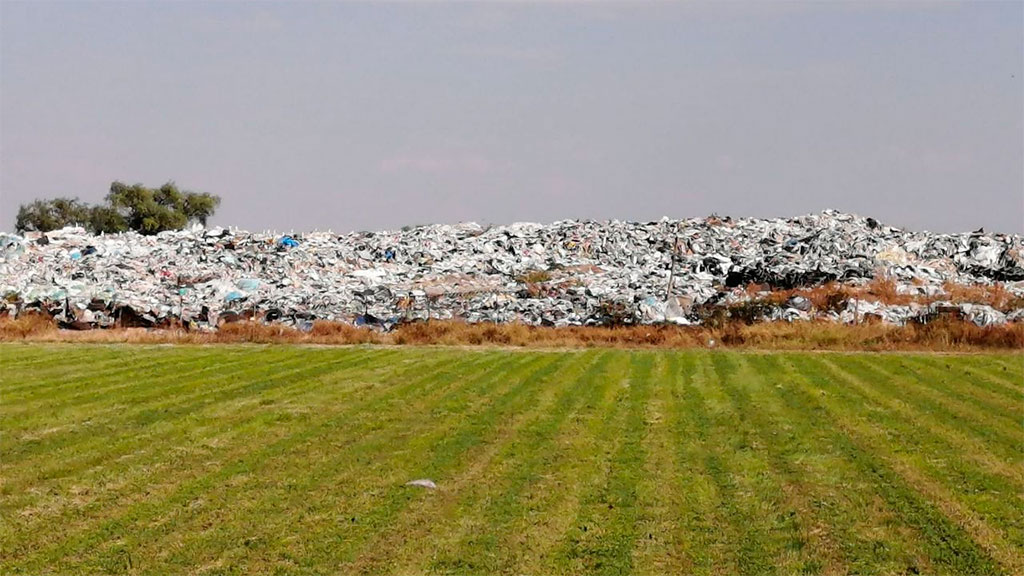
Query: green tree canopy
(135,207)
(46,215)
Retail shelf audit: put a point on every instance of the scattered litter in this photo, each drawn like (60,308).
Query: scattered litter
(423,483)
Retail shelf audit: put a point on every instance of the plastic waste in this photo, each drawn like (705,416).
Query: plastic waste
(566,273)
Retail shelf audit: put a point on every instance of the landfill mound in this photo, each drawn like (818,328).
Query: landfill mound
(566,273)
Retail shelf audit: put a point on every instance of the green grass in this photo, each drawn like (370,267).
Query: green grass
(292,460)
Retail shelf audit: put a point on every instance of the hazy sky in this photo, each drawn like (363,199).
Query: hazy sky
(366,116)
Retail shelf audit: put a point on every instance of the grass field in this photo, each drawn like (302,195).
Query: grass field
(293,460)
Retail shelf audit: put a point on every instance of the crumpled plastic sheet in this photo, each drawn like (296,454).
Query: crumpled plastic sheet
(569,272)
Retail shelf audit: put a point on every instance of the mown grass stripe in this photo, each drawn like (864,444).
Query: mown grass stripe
(743,545)
(58,383)
(1010,365)
(939,388)
(456,512)
(990,498)
(249,466)
(1000,439)
(612,510)
(96,387)
(129,440)
(438,453)
(839,502)
(22,363)
(595,470)
(804,538)
(144,415)
(417,523)
(948,545)
(659,549)
(318,367)
(1004,378)
(534,540)
(484,518)
(124,360)
(945,439)
(779,539)
(985,394)
(147,439)
(55,355)
(80,438)
(94,392)
(702,523)
(192,483)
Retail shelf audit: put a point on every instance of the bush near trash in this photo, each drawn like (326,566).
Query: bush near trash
(698,271)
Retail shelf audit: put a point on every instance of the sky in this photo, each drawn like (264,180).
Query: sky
(365,116)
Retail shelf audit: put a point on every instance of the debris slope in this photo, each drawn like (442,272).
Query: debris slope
(569,272)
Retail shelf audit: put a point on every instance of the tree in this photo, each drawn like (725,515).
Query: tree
(106,219)
(46,215)
(150,211)
(135,207)
(199,206)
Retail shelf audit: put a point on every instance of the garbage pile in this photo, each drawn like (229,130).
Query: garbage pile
(565,273)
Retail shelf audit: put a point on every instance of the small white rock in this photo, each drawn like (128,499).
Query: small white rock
(423,483)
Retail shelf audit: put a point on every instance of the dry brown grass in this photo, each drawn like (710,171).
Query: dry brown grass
(996,295)
(884,289)
(26,326)
(535,277)
(828,296)
(940,335)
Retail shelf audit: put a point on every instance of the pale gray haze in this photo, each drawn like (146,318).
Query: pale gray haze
(355,116)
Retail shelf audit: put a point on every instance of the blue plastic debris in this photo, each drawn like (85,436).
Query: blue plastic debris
(288,242)
(248,284)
